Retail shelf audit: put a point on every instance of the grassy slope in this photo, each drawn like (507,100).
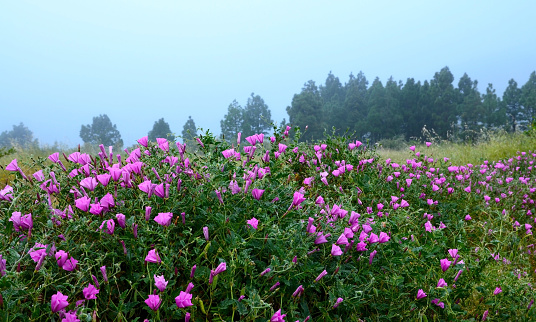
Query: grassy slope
(496,147)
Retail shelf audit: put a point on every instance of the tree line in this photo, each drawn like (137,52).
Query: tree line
(374,112)
(381,111)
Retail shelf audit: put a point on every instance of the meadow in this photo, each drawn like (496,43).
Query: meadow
(270,229)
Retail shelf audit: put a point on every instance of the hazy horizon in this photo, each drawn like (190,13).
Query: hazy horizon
(62,63)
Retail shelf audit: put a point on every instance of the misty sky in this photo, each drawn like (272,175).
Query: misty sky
(64,62)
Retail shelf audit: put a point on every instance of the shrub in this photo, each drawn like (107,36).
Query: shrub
(280,230)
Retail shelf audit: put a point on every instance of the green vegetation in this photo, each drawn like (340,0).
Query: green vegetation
(272,229)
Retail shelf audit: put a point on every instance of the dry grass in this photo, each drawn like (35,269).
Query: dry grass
(494,147)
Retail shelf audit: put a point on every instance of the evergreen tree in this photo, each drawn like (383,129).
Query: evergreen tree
(306,111)
(410,108)
(189,130)
(256,116)
(161,130)
(470,109)
(494,110)
(355,108)
(332,94)
(444,104)
(528,98)
(232,122)
(19,136)
(384,119)
(512,101)
(101,131)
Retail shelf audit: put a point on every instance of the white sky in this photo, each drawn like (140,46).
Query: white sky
(64,62)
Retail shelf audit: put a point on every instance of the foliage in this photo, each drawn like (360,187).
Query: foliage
(383,111)
(231,124)
(256,116)
(189,130)
(306,112)
(384,233)
(161,130)
(20,136)
(101,131)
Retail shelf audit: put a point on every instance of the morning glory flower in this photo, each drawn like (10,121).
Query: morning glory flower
(160,282)
(183,300)
(253,222)
(153,257)
(153,301)
(90,292)
(420,294)
(58,302)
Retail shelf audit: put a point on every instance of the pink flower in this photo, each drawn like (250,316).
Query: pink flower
(468,218)
(324,273)
(96,209)
(104,275)
(61,257)
(441,283)
(110,226)
(13,166)
(453,253)
(82,203)
(153,302)
(383,238)
(297,199)
(70,317)
(277,317)
(183,300)
(160,282)
(339,301)
(221,268)
(37,254)
(121,220)
(107,201)
(39,176)
(420,294)
(153,257)
(428,144)
(58,302)
(252,139)
(372,256)
(298,291)
(205,233)
(143,141)
(342,240)
(321,238)
(253,222)
(70,264)
(497,291)
(89,183)
(373,238)
(163,144)
(257,193)
(90,292)
(164,218)
(335,250)
(361,246)
(445,264)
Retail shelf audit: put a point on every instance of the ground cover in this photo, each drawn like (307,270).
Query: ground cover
(266,229)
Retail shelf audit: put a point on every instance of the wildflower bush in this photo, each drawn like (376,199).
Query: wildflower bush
(266,229)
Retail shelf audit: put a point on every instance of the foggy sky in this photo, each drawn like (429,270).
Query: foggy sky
(64,62)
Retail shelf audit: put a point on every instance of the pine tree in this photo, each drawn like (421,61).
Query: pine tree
(189,130)
(101,131)
(161,130)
